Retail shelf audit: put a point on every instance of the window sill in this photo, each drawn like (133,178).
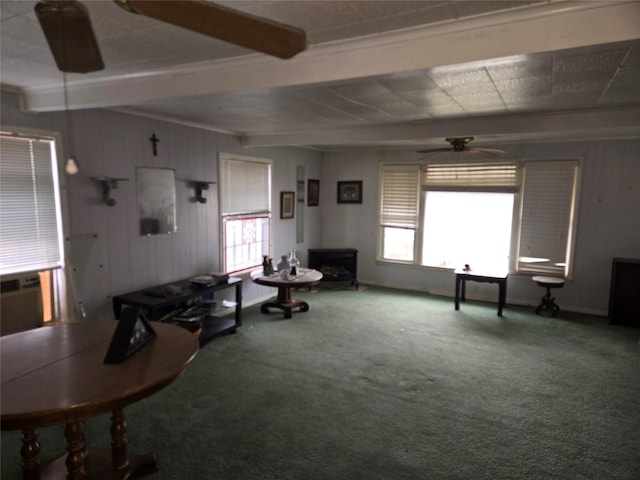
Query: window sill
(244,274)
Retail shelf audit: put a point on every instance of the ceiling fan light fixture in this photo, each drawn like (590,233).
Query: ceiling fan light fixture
(461,145)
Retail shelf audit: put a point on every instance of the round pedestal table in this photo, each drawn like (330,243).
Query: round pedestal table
(304,279)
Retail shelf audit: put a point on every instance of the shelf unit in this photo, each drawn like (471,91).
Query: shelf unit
(159,303)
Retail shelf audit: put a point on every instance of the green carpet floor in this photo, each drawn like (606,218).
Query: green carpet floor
(385,384)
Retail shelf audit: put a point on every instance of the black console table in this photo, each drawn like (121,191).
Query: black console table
(462,276)
(159,301)
(335,264)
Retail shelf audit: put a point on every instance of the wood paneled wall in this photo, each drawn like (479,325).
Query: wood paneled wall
(112,144)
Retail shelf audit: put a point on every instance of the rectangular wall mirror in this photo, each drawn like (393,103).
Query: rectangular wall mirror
(156,189)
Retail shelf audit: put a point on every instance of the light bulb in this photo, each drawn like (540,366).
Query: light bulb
(72,166)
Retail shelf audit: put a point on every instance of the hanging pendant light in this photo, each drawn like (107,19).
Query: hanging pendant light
(68,31)
(71,167)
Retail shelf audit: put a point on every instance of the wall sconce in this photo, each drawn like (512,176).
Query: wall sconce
(108,184)
(201,187)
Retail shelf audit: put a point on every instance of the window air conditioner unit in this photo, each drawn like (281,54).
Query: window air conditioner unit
(20,303)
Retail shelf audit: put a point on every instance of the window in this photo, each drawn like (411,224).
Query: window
(30,217)
(482,214)
(30,220)
(399,207)
(245,210)
(548,213)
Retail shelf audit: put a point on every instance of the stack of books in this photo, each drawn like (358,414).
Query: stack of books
(210,279)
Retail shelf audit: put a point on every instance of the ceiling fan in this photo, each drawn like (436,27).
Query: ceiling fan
(67,28)
(460,145)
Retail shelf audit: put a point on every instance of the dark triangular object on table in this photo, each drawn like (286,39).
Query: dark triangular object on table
(132,333)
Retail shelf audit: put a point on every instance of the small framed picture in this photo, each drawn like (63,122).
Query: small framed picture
(287,204)
(350,191)
(313,193)
(132,332)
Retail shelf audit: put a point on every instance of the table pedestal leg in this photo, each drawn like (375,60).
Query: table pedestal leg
(502,296)
(30,450)
(548,304)
(285,303)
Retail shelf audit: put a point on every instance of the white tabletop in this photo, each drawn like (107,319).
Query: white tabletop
(305,275)
(550,280)
(482,273)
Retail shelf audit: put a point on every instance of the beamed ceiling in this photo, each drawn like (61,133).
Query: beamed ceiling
(376,74)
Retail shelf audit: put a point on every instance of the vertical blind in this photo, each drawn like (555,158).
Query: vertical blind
(547,216)
(30,224)
(400,196)
(244,186)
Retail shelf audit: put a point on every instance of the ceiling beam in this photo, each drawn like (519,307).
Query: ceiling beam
(576,124)
(538,28)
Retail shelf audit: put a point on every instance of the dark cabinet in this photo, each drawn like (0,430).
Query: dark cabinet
(624,296)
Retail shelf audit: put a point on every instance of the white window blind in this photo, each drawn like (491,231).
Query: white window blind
(547,216)
(30,223)
(245,186)
(495,177)
(400,195)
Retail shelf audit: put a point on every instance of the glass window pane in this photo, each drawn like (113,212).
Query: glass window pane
(467,228)
(246,241)
(398,244)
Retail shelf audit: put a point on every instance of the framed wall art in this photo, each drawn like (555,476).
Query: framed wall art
(287,204)
(350,191)
(313,193)
(131,334)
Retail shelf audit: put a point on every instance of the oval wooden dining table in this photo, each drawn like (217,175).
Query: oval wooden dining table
(56,375)
(305,278)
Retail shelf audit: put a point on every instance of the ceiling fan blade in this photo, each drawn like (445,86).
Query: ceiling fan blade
(435,153)
(435,150)
(496,151)
(483,152)
(67,28)
(222,23)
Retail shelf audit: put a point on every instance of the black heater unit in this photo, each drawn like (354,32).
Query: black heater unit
(336,264)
